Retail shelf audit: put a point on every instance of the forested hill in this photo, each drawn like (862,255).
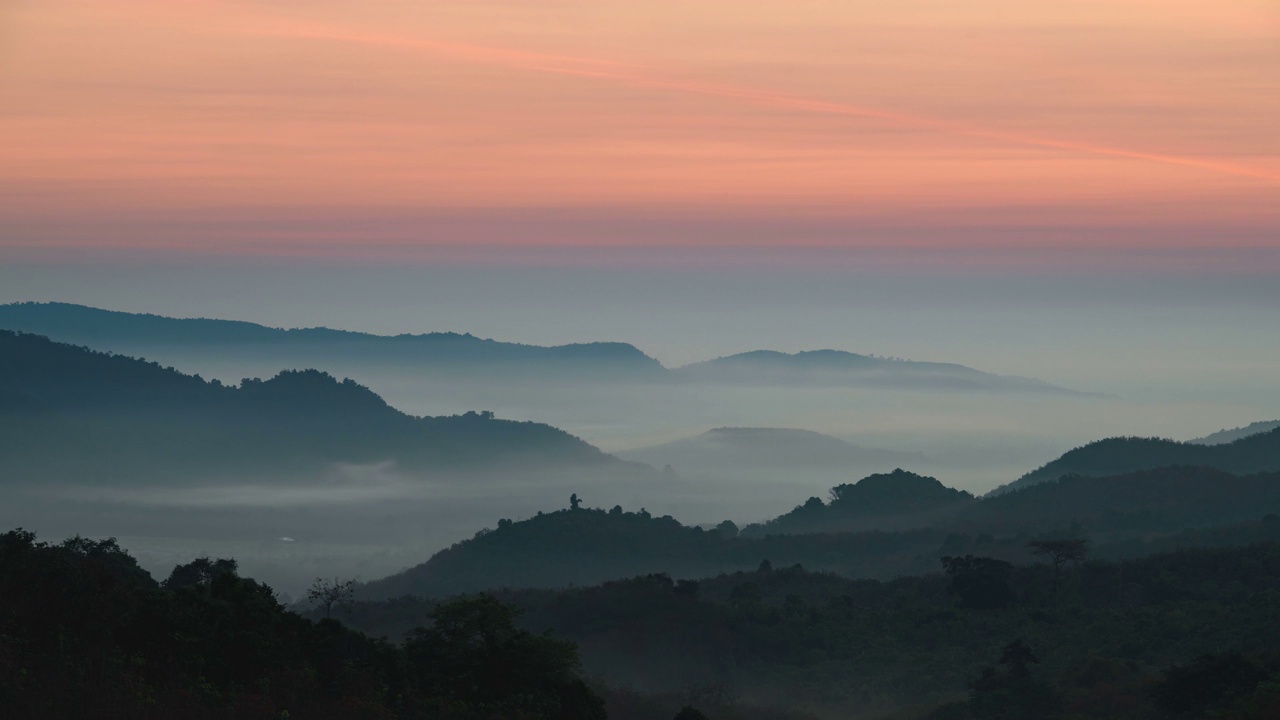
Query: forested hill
(1123,516)
(86,633)
(140,333)
(1253,453)
(1103,639)
(72,413)
(884,501)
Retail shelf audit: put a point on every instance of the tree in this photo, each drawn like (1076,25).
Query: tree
(1060,552)
(979,582)
(199,572)
(474,654)
(328,593)
(1013,694)
(1207,682)
(574,501)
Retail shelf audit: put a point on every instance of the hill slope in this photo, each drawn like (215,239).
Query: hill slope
(1254,453)
(68,411)
(1227,436)
(139,334)
(1122,516)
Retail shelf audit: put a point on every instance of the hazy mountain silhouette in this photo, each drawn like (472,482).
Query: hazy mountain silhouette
(837,367)
(138,334)
(70,412)
(1254,453)
(727,448)
(1226,436)
(465,354)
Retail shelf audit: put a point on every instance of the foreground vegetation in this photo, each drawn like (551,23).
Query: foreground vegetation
(1105,637)
(85,633)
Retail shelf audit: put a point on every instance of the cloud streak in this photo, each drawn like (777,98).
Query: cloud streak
(642,76)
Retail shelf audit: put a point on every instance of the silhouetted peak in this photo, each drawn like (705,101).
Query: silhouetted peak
(897,490)
(312,390)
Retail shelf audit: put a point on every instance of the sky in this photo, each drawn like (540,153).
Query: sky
(1008,135)
(1082,191)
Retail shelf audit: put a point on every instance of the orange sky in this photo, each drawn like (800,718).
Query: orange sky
(284,123)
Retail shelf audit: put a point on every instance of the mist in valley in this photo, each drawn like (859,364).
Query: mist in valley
(371,519)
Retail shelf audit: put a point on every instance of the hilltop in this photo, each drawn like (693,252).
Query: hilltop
(1124,516)
(1254,453)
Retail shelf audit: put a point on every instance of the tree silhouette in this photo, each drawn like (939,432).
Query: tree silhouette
(979,582)
(575,501)
(328,593)
(1060,552)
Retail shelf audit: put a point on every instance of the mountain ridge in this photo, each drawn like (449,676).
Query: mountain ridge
(76,410)
(1110,456)
(463,353)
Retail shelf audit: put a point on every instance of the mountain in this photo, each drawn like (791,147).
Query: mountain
(1122,516)
(582,546)
(136,334)
(1255,453)
(728,448)
(837,367)
(1163,499)
(210,343)
(884,501)
(1226,436)
(73,413)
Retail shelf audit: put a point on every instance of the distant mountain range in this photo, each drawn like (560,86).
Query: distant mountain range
(1226,436)
(136,334)
(466,354)
(729,448)
(74,414)
(837,367)
(1259,452)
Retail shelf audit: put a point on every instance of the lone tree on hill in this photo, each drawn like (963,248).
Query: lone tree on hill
(328,593)
(1060,552)
(574,501)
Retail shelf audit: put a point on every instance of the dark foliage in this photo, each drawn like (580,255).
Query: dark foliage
(839,647)
(84,634)
(979,582)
